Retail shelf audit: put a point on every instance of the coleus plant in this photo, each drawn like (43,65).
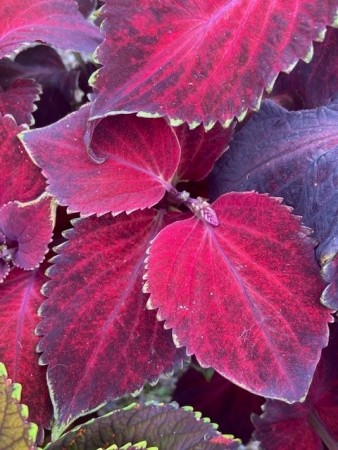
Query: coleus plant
(147,273)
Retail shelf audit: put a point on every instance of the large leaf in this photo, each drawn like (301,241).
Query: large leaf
(20,179)
(293,155)
(16,433)
(311,424)
(141,156)
(200,150)
(314,84)
(58,23)
(99,340)
(20,300)
(201,62)
(165,427)
(233,293)
(19,100)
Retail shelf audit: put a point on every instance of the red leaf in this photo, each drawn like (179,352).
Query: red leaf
(28,229)
(200,150)
(244,285)
(19,100)
(20,300)
(312,423)
(141,157)
(58,23)
(99,340)
(201,62)
(20,179)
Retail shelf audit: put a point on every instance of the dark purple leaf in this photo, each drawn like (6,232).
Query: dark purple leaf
(20,300)
(223,402)
(19,100)
(244,285)
(28,229)
(20,179)
(200,150)
(293,155)
(15,430)
(201,62)
(58,23)
(165,427)
(141,157)
(314,84)
(311,424)
(99,340)
(86,7)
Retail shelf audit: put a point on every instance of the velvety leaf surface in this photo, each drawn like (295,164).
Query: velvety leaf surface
(223,402)
(20,300)
(141,157)
(16,433)
(312,423)
(200,150)
(165,427)
(244,285)
(58,23)
(99,340)
(20,179)
(200,62)
(19,100)
(314,84)
(293,155)
(28,229)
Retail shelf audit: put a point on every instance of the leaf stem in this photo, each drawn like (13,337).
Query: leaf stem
(319,427)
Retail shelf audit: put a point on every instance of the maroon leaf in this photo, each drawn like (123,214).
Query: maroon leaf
(244,285)
(20,179)
(99,340)
(165,427)
(293,155)
(19,100)
(58,23)
(141,157)
(20,300)
(28,229)
(314,84)
(311,424)
(200,150)
(201,63)
(223,402)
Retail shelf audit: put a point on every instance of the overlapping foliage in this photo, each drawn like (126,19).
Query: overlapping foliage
(143,271)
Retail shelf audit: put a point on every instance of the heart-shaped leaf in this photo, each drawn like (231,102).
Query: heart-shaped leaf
(20,300)
(293,155)
(165,427)
(19,100)
(311,424)
(141,157)
(99,340)
(58,23)
(21,179)
(232,293)
(16,433)
(201,62)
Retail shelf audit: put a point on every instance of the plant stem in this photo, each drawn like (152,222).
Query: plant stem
(319,427)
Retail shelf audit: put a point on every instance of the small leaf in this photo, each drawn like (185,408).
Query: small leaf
(244,285)
(99,340)
(201,63)
(165,427)
(200,150)
(20,300)
(21,180)
(28,228)
(141,157)
(311,424)
(57,23)
(19,100)
(16,433)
